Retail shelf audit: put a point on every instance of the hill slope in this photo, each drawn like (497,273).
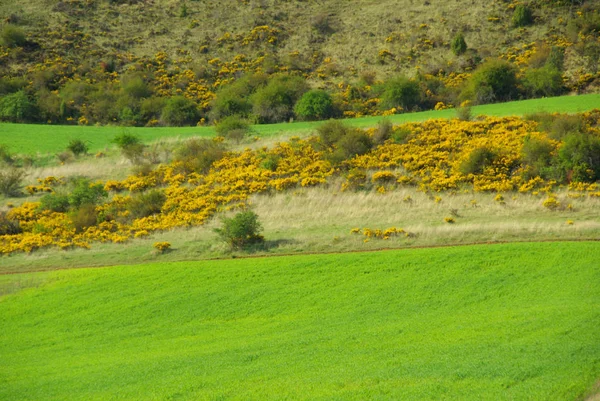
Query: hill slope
(488,322)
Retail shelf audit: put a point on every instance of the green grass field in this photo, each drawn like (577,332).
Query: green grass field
(32,139)
(495,322)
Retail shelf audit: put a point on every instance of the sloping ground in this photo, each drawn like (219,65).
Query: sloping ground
(515,321)
(35,138)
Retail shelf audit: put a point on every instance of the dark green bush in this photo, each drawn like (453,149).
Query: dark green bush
(545,81)
(477,161)
(314,105)
(12,36)
(275,101)
(458,44)
(86,193)
(580,157)
(522,16)
(146,204)
(17,108)
(495,80)
(180,111)
(401,135)
(233,99)
(78,147)
(83,217)
(233,127)
(537,155)
(6,157)
(131,146)
(9,226)
(400,92)
(151,108)
(135,86)
(10,181)
(241,230)
(354,142)
(331,131)
(270,162)
(199,154)
(55,202)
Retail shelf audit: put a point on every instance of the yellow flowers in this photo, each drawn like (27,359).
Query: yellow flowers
(162,247)
(378,233)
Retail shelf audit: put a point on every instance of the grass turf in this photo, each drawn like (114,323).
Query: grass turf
(511,321)
(31,139)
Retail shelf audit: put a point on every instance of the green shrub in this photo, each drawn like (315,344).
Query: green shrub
(314,105)
(270,162)
(537,155)
(78,147)
(9,226)
(10,181)
(233,127)
(384,131)
(331,131)
(241,231)
(86,193)
(146,204)
(17,108)
(464,113)
(458,44)
(199,154)
(83,217)
(545,81)
(522,16)
(477,161)
(400,92)
(55,202)
(131,147)
(566,124)
(401,135)
(135,86)
(580,157)
(6,157)
(233,99)
(12,36)
(180,111)
(275,101)
(151,108)
(354,142)
(495,80)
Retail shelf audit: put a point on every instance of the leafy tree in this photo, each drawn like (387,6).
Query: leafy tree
(233,127)
(17,107)
(400,92)
(180,111)
(315,105)
(275,101)
(545,81)
(241,230)
(495,80)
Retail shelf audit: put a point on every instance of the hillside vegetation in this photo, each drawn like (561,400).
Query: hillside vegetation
(188,62)
(541,169)
(492,322)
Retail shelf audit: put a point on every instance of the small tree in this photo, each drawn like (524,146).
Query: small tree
(78,147)
(522,16)
(233,127)
(180,111)
(400,92)
(458,45)
(314,105)
(241,230)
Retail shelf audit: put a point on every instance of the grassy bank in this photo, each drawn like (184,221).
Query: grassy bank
(32,139)
(508,321)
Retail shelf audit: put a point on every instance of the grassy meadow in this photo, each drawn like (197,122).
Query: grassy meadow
(509,321)
(42,139)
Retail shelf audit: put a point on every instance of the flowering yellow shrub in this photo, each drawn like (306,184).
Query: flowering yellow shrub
(162,247)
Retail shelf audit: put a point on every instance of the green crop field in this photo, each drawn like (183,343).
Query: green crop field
(32,139)
(513,322)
